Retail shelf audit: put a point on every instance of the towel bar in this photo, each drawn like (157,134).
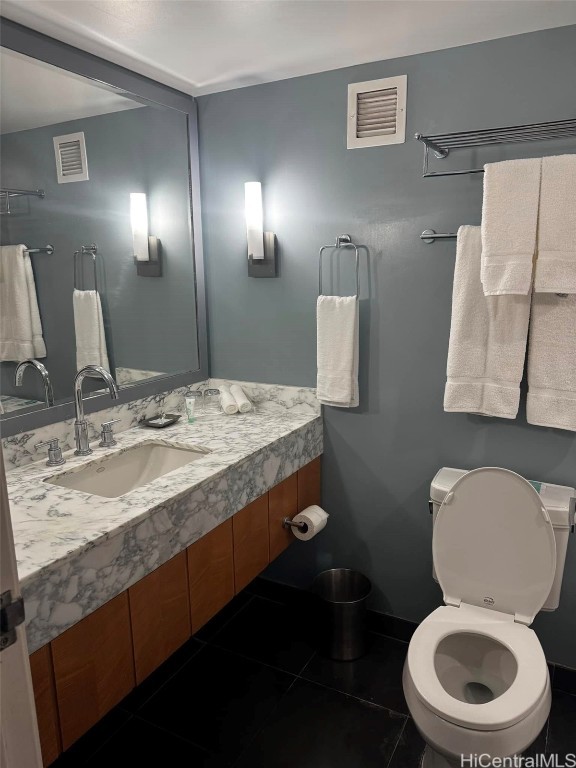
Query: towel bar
(429,235)
(342,241)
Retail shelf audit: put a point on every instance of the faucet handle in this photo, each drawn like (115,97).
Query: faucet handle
(106,435)
(55,458)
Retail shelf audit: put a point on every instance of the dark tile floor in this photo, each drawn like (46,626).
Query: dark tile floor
(249,691)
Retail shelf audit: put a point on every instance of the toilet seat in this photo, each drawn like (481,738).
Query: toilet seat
(493,544)
(510,707)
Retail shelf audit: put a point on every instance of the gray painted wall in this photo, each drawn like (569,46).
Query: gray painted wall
(379,459)
(151,322)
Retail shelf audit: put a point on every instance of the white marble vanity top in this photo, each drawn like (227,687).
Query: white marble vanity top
(77,550)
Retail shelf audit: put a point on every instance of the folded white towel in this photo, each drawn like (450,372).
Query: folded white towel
(229,405)
(20,326)
(337,351)
(89,328)
(556,263)
(509,223)
(487,339)
(244,405)
(551,360)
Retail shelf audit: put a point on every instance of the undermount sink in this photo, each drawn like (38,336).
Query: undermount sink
(120,473)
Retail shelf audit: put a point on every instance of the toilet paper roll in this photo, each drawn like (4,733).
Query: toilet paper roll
(315,519)
(229,405)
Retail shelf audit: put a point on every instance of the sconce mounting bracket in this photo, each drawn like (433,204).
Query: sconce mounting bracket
(265,267)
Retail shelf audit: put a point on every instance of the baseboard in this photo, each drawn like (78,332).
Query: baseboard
(563,678)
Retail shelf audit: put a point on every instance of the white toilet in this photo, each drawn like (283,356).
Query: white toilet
(475,678)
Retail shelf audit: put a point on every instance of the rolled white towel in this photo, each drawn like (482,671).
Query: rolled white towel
(227,401)
(244,405)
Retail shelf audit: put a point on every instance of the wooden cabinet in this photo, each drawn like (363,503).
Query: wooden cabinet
(309,485)
(210,574)
(93,667)
(160,615)
(251,546)
(46,705)
(282,502)
(86,671)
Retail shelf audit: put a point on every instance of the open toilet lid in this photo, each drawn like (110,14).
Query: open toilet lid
(493,544)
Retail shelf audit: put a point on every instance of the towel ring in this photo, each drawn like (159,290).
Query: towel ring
(92,250)
(342,241)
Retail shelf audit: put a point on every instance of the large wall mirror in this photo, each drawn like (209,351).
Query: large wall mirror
(97,248)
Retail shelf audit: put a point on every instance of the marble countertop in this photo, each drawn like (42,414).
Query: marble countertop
(77,550)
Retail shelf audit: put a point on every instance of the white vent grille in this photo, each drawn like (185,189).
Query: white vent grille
(377,112)
(71,162)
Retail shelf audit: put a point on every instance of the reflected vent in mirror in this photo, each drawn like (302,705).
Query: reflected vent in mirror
(71,162)
(377,112)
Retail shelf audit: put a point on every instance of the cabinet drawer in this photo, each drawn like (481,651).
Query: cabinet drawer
(46,706)
(251,546)
(282,502)
(160,615)
(210,574)
(93,667)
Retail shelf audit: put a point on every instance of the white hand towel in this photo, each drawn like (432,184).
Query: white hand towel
(509,223)
(229,405)
(556,263)
(20,326)
(244,405)
(551,362)
(337,351)
(487,339)
(89,328)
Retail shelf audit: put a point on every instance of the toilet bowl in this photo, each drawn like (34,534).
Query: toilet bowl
(475,678)
(476,684)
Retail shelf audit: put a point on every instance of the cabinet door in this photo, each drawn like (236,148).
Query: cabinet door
(93,667)
(251,546)
(160,615)
(282,502)
(309,485)
(210,574)
(46,706)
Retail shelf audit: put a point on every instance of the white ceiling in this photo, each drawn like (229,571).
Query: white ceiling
(202,46)
(33,94)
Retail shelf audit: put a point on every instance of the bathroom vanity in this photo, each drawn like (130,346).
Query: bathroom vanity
(114,585)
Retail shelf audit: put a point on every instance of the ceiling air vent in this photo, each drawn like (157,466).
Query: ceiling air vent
(377,112)
(71,163)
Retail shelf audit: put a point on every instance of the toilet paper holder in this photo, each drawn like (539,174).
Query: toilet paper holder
(287,523)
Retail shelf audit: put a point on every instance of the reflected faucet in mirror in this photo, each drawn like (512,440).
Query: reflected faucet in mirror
(80,423)
(43,371)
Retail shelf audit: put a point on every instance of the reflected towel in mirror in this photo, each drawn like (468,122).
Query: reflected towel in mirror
(89,329)
(20,325)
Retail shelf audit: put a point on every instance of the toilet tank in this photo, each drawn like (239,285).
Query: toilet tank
(560,503)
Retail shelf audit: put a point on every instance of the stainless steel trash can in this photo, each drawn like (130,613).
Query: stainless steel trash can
(341,596)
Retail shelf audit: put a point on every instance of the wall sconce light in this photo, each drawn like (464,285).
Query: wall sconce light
(146,247)
(261,245)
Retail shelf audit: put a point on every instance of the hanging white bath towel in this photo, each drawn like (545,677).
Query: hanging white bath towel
(337,351)
(89,328)
(20,325)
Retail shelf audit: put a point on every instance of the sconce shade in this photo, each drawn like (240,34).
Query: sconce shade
(254,220)
(139,222)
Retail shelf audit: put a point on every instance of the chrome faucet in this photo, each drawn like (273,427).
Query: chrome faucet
(43,371)
(80,424)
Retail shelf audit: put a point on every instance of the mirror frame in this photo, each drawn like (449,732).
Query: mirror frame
(43,48)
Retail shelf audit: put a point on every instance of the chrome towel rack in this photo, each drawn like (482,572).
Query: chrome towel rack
(441,144)
(90,250)
(6,193)
(342,241)
(430,236)
(47,249)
